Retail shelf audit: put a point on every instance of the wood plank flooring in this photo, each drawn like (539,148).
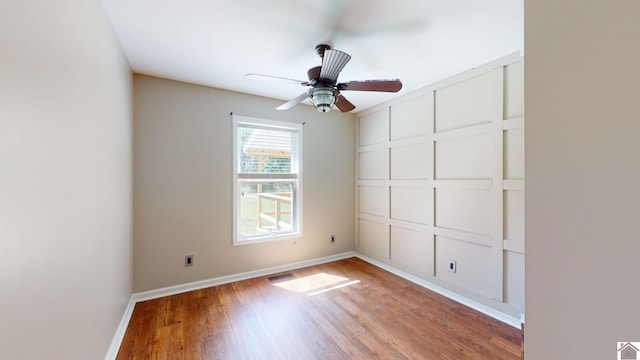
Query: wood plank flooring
(347,309)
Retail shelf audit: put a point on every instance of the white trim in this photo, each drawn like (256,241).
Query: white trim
(513,245)
(473,72)
(411,183)
(497,272)
(468,236)
(372,147)
(371,217)
(487,310)
(513,123)
(467,131)
(408,141)
(114,347)
(479,184)
(415,226)
(294,179)
(369,182)
(515,185)
(197,285)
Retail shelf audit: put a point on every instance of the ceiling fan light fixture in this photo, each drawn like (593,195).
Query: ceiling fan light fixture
(323,98)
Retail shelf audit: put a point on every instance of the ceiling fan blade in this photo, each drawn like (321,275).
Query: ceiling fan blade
(343,104)
(372,85)
(314,73)
(275,78)
(332,63)
(293,102)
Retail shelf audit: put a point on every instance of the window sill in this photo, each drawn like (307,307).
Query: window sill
(265,239)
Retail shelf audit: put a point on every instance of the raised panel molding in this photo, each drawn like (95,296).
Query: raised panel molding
(468,157)
(477,184)
(373,165)
(407,118)
(413,249)
(455,173)
(410,204)
(514,90)
(477,94)
(374,237)
(469,210)
(406,164)
(371,200)
(473,263)
(474,238)
(514,153)
(373,128)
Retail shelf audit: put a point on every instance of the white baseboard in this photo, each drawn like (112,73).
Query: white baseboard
(487,310)
(197,285)
(120,331)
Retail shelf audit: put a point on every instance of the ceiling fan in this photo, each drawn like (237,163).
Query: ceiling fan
(324,91)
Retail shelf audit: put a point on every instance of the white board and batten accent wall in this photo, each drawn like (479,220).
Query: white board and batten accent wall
(440,178)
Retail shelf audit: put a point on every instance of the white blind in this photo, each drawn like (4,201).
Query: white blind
(267,150)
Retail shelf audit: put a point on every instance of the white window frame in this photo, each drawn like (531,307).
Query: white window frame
(295,179)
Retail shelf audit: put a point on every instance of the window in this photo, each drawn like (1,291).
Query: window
(267,184)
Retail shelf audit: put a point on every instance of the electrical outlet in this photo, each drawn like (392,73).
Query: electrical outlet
(452,266)
(333,239)
(188,260)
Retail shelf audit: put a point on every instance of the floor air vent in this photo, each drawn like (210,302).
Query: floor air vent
(280,277)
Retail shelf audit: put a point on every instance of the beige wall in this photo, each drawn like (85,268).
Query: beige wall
(65,180)
(183,182)
(582,153)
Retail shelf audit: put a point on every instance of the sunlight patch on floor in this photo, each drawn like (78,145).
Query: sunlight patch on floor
(316,284)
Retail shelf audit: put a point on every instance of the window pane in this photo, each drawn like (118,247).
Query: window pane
(265,208)
(267,180)
(266,151)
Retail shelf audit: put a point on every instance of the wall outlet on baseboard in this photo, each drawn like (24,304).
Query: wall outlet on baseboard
(452,266)
(333,239)
(188,260)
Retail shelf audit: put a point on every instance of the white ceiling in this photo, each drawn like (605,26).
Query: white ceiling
(217,42)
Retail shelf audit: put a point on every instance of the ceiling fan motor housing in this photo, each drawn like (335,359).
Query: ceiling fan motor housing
(323,98)
(321,48)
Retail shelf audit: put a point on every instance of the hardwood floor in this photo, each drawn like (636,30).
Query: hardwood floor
(346,309)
